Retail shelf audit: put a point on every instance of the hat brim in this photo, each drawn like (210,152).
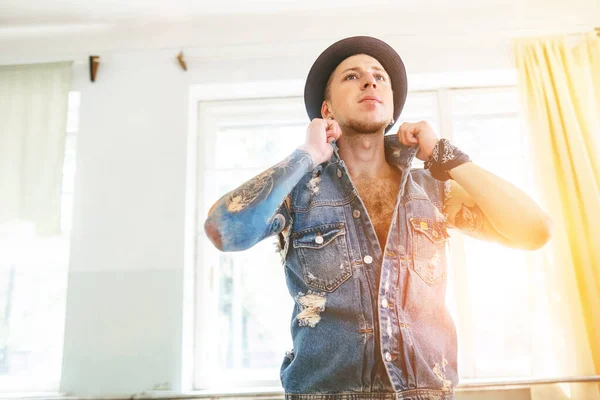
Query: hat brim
(327,62)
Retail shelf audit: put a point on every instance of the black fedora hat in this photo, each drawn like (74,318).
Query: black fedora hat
(326,63)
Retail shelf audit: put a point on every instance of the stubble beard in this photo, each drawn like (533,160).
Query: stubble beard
(353,127)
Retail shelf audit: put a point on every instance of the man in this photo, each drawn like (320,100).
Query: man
(363,237)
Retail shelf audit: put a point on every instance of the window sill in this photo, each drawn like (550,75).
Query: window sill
(272,393)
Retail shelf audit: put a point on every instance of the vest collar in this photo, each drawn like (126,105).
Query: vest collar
(395,152)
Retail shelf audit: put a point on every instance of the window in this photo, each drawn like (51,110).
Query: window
(33,289)
(486,125)
(243,294)
(243,307)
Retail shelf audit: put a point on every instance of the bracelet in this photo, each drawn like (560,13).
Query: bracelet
(445,157)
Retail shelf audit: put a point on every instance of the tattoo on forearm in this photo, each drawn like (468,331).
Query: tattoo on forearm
(249,213)
(470,219)
(258,188)
(250,191)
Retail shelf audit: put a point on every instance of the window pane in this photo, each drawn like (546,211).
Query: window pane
(486,125)
(33,289)
(256,146)
(33,302)
(254,309)
(479,102)
(420,106)
(496,144)
(248,299)
(498,290)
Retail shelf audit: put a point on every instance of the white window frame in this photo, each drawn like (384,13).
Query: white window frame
(441,84)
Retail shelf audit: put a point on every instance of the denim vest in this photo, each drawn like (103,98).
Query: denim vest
(368,324)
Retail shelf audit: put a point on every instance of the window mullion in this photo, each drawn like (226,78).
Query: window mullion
(464,320)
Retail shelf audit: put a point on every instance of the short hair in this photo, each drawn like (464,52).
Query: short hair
(328,88)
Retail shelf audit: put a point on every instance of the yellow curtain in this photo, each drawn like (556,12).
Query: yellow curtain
(559,81)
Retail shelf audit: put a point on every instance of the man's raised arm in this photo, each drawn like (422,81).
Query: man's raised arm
(254,211)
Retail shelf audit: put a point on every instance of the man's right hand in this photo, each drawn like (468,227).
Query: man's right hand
(319,134)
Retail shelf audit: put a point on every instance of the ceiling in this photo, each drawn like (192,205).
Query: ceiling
(71,11)
(19,12)
(33,27)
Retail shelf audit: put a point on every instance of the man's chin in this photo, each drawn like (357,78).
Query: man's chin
(367,127)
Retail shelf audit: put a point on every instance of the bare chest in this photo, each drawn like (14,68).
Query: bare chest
(379,198)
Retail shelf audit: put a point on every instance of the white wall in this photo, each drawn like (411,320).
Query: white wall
(124,307)
(125,297)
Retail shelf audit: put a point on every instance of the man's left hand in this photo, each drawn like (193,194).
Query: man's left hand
(420,133)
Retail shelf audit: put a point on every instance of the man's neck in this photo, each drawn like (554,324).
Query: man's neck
(364,155)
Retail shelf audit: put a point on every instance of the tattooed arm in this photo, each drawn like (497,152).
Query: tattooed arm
(255,210)
(485,206)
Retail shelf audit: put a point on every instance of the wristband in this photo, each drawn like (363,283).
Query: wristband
(445,157)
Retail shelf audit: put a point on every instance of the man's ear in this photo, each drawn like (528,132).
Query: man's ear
(326,110)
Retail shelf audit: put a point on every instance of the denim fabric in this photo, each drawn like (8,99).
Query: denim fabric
(368,323)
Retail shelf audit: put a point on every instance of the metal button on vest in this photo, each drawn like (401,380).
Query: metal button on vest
(384,303)
(319,239)
(388,356)
(339,173)
(368,259)
(356,213)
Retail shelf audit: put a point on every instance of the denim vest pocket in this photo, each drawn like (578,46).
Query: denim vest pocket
(323,254)
(429,249)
